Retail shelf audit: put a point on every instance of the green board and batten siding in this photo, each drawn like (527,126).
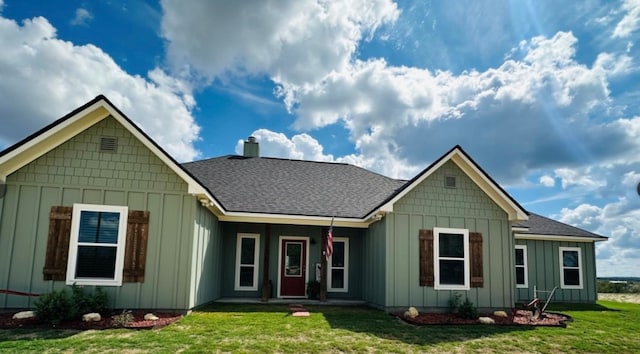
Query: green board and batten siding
(430,205)
(543,269)
(77,172)
(374,273)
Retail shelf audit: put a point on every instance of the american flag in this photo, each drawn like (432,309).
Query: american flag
(329,250)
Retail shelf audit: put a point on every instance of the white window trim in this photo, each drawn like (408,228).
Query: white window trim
(256,257)
(436,258)
(345,289)
(562,267)
(73,244)
(525,266)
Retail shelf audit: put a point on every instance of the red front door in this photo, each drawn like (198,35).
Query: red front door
(293,267)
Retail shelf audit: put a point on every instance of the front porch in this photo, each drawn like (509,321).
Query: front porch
(284,301)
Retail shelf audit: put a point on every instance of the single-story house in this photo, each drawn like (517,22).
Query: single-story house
(92,200)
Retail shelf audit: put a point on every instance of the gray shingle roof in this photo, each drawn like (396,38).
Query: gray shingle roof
(292,187)
(540,225)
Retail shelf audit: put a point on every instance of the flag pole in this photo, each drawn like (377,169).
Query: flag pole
(324,260)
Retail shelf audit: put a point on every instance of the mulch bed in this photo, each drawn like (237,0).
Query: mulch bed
(518,317)
(165,318)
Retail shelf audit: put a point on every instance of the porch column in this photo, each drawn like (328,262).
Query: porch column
(323,265)
(266,286)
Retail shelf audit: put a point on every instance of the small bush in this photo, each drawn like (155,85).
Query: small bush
(313,289)
(86,303)
(454,302)
(468,310)
(54,307)
(58,306)
(123,319)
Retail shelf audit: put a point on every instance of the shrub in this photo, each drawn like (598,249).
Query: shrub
(123,319)
(313,289)
(454,302)
(58,306)
(86,303)
(468,310)
(54,307)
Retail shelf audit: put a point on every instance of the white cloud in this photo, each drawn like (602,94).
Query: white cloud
(82,17)
(44,77)
(631,20)
(547,181)
(581,178)
(290,41)
(540,106)
(299,147)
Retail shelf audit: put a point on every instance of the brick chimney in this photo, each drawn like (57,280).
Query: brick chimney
(251,147)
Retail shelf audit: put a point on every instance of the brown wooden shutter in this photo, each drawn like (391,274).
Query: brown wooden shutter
(475,249)
(426,258)
(135,255)
(55,264)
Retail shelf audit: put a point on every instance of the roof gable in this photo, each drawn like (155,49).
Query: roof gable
(72,124)
(458,156)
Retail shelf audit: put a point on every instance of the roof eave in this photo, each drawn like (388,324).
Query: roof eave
(295,219)
(568,238)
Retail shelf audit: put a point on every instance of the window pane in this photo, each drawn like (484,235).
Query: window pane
(96,262)
(337,257)
(98,227)
(571,277)
(519,256)
(247,253)
(451,272)
(293,259)
(520,275)
(337,278)
(246,276)
(451,245)
(570,258)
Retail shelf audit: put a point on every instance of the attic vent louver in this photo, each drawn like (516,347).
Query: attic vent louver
(450,182)
(108,144)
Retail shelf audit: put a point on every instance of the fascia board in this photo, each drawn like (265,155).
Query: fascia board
(489,188)
(565,238)
(52,138)
(293,219)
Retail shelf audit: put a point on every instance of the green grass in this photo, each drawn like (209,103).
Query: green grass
(606,327)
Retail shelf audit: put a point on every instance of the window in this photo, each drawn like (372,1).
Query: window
(451,259)
(570,268)
(338,274)
(97,243)
(522,280)
(247,262)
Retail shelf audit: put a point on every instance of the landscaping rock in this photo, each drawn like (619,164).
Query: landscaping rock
(24,315)
(91,317)
(486,320)
(412,312)
(500,314)
(151,317)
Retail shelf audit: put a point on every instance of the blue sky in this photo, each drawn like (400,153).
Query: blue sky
(542,94)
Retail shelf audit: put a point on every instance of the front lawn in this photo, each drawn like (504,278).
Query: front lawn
(606,327)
